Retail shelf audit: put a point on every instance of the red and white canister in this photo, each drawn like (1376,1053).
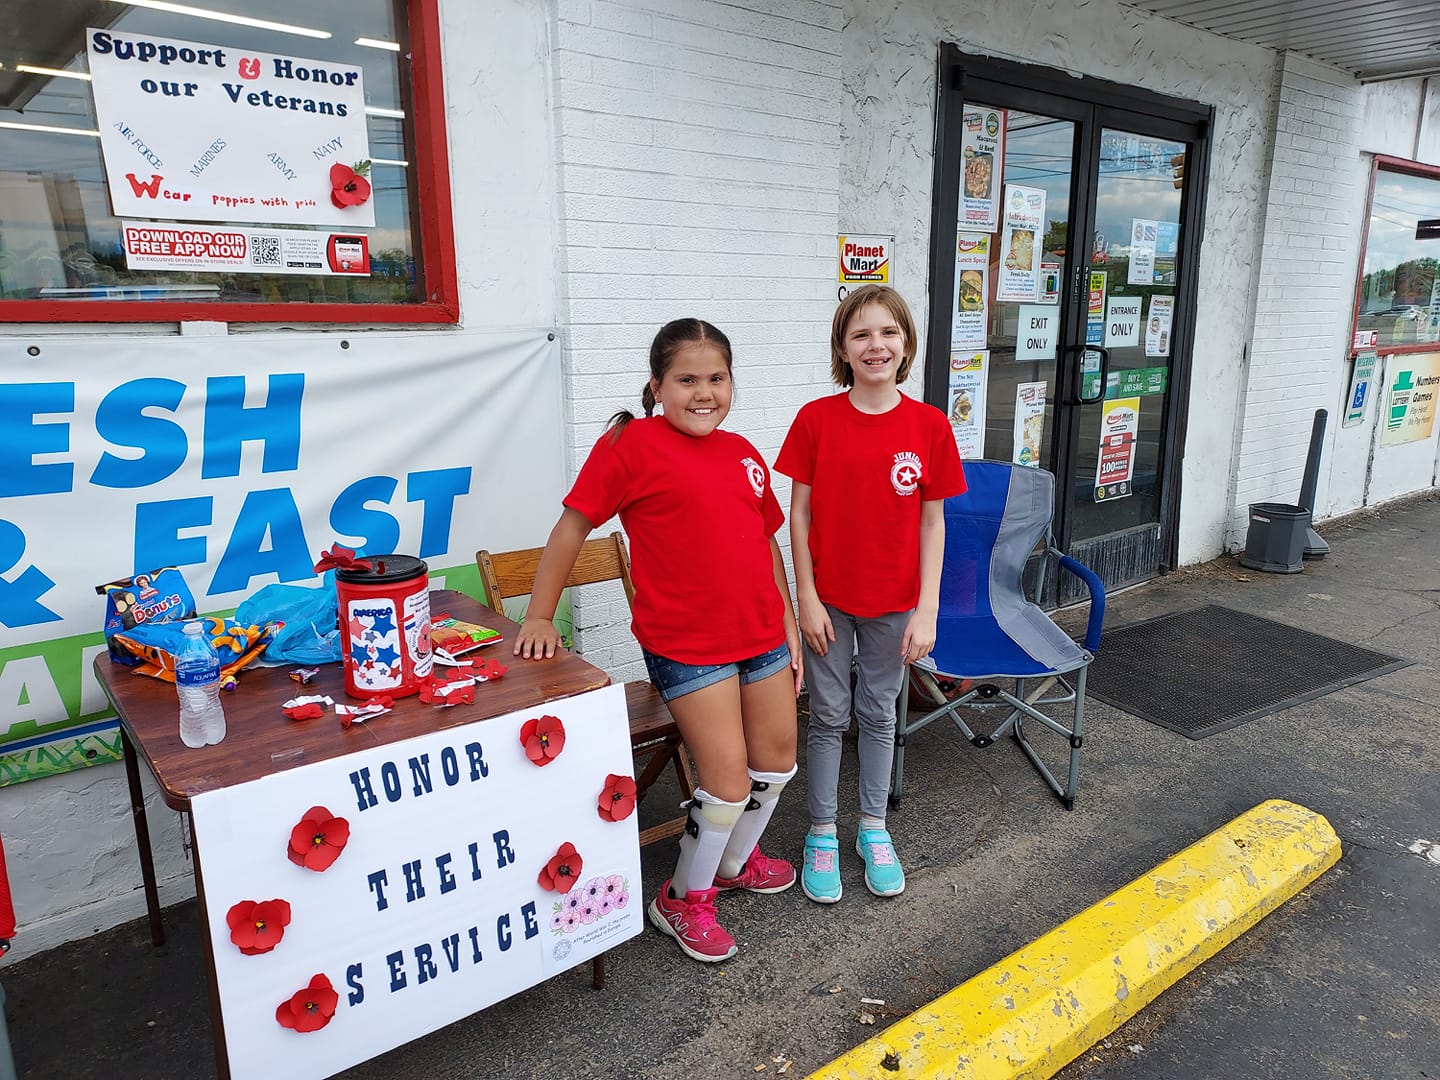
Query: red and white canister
(385,625)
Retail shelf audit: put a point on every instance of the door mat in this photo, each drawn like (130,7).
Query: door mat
(1207,670)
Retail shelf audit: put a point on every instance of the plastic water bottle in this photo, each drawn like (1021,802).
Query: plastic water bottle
(197,682)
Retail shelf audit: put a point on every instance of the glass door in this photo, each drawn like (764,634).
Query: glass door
(1061,309)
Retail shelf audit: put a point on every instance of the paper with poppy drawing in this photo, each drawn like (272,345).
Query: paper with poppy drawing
(411,875)
(207,132)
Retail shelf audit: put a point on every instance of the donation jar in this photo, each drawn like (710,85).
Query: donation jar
(385,625)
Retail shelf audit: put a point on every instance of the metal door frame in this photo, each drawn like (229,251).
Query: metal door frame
(1091,104)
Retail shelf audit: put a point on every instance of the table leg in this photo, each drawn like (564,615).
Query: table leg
(597,972)
(142,840)
(217,1019)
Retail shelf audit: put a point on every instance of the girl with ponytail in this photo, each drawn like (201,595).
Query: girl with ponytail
(712,612)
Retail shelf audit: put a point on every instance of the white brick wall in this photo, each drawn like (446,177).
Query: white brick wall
(1305,296)
(699,176)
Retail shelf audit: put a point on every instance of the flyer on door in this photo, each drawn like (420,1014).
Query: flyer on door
(1119,428)
(1122,321)
(1095,312)
(1143,235)
(1021,239)
(1029,433)
(966,407)
(971,318)
(982,155)
(1158,324)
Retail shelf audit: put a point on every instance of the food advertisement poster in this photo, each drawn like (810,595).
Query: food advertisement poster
(968,375)
(1095,313)
(1119,426)
(972,279)
(982,158)
(864,259)
(1049,282)
(1122,321)
(1035,336)
(358,903)
(1411,407)
(1143,235)
(210,133)
(243,249)
(1158,324)
(1029,430)
(1020,242)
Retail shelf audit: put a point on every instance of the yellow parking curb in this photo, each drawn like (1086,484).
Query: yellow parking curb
(1043,1005)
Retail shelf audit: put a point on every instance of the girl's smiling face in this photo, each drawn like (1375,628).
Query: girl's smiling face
(874,346)
(696,389)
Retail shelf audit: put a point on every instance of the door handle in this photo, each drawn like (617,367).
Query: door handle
(1086,372)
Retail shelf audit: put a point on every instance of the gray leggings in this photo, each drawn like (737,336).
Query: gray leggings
(875,645)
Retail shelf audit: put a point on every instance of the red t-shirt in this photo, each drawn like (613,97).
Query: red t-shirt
(868,476)
(699,514)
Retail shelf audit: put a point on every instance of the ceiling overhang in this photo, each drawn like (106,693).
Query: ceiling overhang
(1374,40)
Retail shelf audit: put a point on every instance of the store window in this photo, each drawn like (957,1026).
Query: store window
(236,160)
(1398,302)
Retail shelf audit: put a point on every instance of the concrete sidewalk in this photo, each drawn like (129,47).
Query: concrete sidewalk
(1342,982)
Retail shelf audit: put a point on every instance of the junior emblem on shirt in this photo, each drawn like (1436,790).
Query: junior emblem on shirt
(905,473)
(755,473)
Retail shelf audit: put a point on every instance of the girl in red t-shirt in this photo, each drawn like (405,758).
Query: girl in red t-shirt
(712,613)
(871,470)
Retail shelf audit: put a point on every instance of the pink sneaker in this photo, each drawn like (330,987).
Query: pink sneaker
(760,874)
(691,922)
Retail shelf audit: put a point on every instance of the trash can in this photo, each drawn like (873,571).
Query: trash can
(1275,541)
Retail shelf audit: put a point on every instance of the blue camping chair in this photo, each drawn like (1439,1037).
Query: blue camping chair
(988,630)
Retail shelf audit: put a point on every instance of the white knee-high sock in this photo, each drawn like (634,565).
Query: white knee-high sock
(707,828)
(765,789)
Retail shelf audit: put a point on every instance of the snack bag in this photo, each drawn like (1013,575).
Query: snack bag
(152,646)
(456,636)
(157,597)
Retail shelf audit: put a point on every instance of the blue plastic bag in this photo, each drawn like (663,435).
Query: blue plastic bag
(311,634)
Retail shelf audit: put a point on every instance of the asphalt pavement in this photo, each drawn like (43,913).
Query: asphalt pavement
(1342,982)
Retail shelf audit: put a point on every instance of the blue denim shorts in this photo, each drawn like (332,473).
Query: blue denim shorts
(674,679)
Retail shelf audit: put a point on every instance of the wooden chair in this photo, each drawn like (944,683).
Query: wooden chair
(654,739)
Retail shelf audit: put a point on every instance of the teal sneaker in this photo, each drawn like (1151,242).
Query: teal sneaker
(883,875)
(820,875)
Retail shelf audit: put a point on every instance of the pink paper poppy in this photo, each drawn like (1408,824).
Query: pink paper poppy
(318,839)
(617,801)
(257,928)
(562,872)
(309,1009)
(543,739)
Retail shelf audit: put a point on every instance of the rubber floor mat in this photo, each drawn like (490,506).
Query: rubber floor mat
(1207,670)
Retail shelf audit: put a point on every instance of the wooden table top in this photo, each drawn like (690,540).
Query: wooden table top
(260,739)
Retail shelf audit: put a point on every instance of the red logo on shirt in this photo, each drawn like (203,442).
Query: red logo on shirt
(905,473)
(755,473)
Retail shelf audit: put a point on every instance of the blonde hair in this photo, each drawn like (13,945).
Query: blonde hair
(851,306)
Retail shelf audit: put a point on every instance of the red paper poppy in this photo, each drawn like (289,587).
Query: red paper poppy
(563,871)
(309,1009)
(543,739)
(490,670)
(318,839)
(257,927)
(350,188)
(617,801)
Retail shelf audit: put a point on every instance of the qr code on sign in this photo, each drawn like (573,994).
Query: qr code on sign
(265,250)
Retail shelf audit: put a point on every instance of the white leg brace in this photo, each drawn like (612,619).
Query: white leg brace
(765,789)
(707,828)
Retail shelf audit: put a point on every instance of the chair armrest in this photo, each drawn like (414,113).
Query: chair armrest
(1097,597)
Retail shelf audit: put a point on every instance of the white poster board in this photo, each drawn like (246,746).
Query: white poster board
(433,908)
(203,132)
